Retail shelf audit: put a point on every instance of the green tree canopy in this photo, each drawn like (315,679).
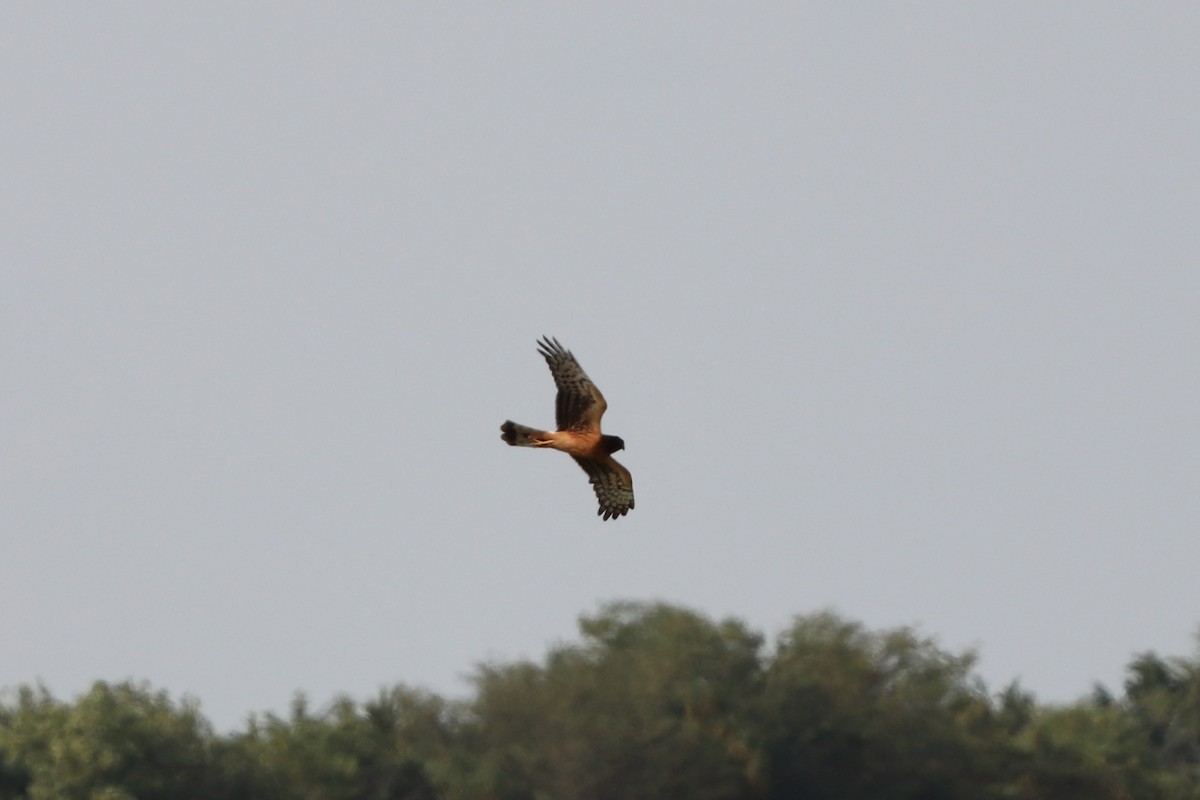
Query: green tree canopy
(652,701)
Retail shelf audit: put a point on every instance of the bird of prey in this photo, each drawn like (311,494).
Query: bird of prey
(578,409)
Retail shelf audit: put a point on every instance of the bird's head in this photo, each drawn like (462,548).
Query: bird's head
(612,444)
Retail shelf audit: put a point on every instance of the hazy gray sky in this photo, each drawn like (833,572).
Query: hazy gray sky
(895,305)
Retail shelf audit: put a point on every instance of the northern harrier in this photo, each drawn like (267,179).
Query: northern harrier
(578,409)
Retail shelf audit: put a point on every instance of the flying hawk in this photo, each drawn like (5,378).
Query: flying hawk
(578,409)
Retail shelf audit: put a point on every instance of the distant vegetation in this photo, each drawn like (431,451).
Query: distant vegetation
(654,701)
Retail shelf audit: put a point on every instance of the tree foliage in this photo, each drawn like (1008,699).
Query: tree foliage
(652,701)
(116,742)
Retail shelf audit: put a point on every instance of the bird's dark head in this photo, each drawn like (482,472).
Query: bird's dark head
(612,444)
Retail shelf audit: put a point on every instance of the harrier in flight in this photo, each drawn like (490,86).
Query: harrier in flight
(578,409)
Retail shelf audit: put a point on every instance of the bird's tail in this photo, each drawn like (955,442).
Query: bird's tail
(520,435)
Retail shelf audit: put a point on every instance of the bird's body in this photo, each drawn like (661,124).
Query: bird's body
(578,409)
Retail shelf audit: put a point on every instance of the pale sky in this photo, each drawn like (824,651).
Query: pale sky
(895,306)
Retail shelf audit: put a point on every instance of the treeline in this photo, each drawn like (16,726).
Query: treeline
(654,701)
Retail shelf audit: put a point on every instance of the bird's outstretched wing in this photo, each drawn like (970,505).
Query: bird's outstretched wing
(613,485)
(579,405)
